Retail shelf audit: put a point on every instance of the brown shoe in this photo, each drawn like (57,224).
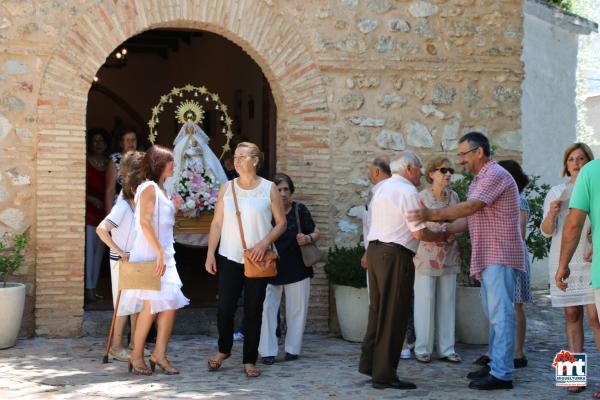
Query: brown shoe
(165,366)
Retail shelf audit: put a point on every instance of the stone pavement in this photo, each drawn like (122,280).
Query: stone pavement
(72,369)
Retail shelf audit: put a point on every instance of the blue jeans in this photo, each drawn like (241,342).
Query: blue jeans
(497,296)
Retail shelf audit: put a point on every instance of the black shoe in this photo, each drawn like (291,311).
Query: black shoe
(520,362)
(483,360)
(490,383)
(480,373)
(268,360)
(290,357)
(397,384)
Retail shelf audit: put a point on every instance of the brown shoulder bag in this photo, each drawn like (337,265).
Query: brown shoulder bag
(310,252)
(265,268)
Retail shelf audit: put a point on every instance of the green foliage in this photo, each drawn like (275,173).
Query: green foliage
(343,266)
(537,245)
(11,258)
(564,4)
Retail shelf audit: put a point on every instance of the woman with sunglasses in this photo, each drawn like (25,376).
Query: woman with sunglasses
(436,266)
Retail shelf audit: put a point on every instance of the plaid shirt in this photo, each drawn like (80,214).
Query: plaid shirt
(495,229)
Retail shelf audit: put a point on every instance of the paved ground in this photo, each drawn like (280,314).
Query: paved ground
(72,369)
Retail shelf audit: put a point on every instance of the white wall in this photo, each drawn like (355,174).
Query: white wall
(592,104)
(548,107)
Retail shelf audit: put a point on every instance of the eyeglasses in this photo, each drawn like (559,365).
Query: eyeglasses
(460,155)
(580,159)
(239,158)
(445,170)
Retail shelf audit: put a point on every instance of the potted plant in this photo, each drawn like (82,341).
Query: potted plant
(12,295)
(472,326)
(349,281)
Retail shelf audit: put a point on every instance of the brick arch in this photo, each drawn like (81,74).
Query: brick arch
(273,41)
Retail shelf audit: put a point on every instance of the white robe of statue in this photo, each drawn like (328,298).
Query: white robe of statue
(190,144)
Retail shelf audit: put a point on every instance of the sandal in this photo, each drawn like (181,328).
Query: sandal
(165,366)
(423,358)
(139,370)
(453,358)
(251,372)
(520,362)
(214,365)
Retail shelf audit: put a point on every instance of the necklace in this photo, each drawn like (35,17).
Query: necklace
(99,164)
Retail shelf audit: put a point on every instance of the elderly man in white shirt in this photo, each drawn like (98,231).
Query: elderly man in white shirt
(393,241)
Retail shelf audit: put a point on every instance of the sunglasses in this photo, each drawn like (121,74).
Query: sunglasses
(445,170)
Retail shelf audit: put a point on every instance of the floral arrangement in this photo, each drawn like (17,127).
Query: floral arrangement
(197,190)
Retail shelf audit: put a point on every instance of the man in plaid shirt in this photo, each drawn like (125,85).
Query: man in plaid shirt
(492,211)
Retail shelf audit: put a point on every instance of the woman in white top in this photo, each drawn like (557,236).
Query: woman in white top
(436,266)
(154,220)
(259,203)
(116,231)
(580,292)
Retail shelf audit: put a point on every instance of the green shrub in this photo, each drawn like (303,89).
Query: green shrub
(537,245)
(564,4)
(343,266)
(11,258)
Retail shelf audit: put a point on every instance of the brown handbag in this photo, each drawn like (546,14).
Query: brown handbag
(142,274)
(265,268)
(310,252)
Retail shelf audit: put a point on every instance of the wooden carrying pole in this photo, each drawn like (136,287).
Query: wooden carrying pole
(112,329)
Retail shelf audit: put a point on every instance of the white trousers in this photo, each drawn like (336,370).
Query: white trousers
(94,252)
(434,312)
(114,279)
(296,309)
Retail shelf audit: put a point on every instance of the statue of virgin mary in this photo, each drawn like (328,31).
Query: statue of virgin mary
(191,151)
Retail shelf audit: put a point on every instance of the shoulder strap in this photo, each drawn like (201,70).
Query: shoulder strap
(298,218)
(237,213)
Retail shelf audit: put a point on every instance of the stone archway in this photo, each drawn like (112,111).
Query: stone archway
(273,41)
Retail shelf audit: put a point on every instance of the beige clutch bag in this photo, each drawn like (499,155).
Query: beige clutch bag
(138,275)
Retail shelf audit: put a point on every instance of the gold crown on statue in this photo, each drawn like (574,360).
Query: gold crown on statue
(190,110)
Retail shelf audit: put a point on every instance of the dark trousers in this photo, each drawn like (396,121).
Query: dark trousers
(231,282)
(391,278)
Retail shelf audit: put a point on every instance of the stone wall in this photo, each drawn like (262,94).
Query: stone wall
(351,79)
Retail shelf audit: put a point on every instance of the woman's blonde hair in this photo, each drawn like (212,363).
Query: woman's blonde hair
(433,164)
(254,151)
(578,145)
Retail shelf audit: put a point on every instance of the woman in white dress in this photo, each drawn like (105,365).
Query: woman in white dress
(579,294)
(154,220)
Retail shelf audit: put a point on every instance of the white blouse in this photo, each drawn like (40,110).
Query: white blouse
(256,215)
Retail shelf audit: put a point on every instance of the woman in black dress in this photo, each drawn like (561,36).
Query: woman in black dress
(293,277)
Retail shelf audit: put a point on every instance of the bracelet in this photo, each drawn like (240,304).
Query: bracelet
(310,237)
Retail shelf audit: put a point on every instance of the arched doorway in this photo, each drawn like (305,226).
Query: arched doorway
(137,74)
(274,42)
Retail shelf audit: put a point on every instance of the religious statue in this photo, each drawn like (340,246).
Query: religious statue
(197,175)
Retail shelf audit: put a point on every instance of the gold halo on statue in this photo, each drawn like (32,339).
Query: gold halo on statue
(190,110)
(194,108)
